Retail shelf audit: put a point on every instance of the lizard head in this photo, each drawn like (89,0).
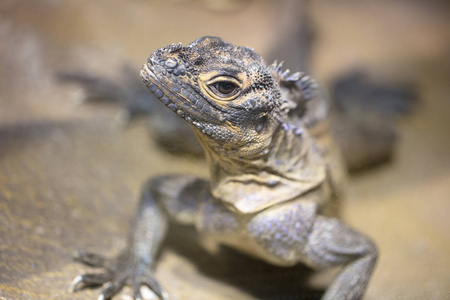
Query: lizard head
(227,93)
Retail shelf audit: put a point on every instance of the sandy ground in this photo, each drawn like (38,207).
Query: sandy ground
(70,175)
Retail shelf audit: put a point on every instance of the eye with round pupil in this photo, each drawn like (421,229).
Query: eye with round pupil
(225,87)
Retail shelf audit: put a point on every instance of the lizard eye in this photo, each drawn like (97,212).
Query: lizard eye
(224,89)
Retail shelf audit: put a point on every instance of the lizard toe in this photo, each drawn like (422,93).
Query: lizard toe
(110,289)
(90,279)
(90,259)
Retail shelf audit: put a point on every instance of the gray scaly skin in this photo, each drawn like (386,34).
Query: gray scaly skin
(275,175)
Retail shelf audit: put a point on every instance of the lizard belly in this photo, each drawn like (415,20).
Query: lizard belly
(274,235)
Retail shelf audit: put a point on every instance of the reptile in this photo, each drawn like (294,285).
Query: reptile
(275,181)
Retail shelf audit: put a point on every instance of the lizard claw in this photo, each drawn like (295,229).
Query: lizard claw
(145,289)
(75,283)
(85,280)
(125,269)
(153,285)
(110,289)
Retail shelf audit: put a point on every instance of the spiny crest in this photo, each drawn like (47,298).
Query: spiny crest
(306,84)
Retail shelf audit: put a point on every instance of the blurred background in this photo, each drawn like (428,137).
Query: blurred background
(79,135)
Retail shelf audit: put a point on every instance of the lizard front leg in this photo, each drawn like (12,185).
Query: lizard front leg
(333,243)
(175,197)
(294,233)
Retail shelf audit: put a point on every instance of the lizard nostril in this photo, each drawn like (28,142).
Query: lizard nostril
(171,63)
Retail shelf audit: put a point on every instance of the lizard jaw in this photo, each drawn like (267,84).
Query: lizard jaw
(157,88)
(173,100)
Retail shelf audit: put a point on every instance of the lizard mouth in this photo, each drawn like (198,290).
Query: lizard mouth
(166,95)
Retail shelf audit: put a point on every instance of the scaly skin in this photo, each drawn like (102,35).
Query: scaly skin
(275,175)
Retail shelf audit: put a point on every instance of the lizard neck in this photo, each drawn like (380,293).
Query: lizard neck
(290,165)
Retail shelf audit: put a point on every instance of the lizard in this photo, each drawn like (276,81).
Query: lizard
(275,176)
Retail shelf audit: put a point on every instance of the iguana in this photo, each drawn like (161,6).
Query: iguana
(275,177)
